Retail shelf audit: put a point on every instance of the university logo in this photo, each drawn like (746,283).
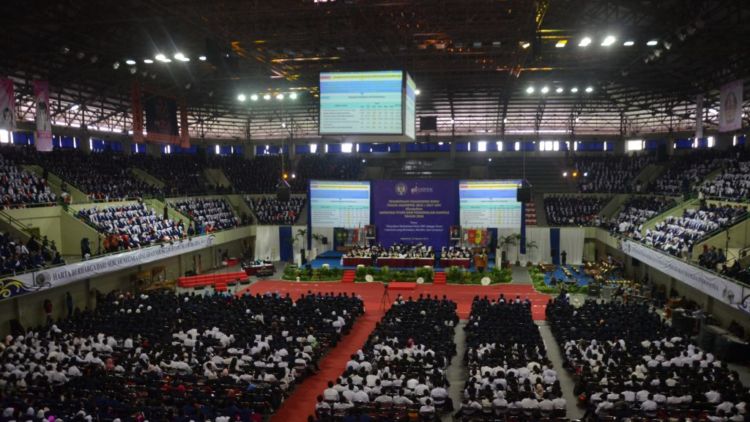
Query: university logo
(401,189)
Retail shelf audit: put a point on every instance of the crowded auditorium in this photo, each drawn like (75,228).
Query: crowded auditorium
(375,211)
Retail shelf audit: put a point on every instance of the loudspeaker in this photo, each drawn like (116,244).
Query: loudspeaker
(283,193)
(523,194)
(428,123)
(324,240)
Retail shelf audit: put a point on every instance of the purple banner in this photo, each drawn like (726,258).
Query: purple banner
(412,211)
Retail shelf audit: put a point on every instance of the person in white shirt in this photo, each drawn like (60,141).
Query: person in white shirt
(330,394)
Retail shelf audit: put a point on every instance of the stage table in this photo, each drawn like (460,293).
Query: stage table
(255,268)
(406,262)
(354,261)
(456,262)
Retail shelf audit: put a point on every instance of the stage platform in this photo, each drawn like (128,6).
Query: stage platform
(333,259)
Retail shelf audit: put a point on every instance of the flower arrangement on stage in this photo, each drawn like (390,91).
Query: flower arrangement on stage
(458,275)
(291,272)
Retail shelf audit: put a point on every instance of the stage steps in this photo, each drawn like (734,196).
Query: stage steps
(439,278)
(348,276)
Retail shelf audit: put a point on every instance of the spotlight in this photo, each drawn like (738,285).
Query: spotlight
(364,160)
(525,45)
(116,65)
(489,159)
(254,97)
(585,42)
(285,176)
(545,90)
(585,174)
(148,61)
(574,89)
(130,62)
(181,57)
(561,43)
(294,175)
(279,96)
(530,90)
(162,58)
(417,92)
(241,98)
(575,174)
(565,174)
(283,125)
(267,97)
(652,43)
(608,40)
(559,90)
(629,43)
(293,96)
(589,89)
(202,58)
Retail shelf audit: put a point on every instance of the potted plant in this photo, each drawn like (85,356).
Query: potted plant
(505,243)
(530,246)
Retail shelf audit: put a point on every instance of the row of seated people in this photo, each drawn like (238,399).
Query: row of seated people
(610,174)
(171,357)
(19,187)
(401,367)
(687,171)
(17,257)
(676,235)
(181,173)
(455,252)
(397,250)
(629,363)
(712,257)
(732,184)
(211,214)
(636,211)
(131,226)
(509,372)
(574,210)
(272,211)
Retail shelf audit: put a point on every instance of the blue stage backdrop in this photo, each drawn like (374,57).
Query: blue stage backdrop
(412,211)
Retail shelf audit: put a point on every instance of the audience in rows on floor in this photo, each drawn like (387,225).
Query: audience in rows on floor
(636,211)
(131,226)
(19,188)
(208,215)
(610,174)
(270,210)
(629,363)
(401,367)
(510,375)
(163,356)
(677,234)
(574,210)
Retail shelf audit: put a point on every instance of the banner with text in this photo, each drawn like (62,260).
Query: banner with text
(707,282)
(412,211)
(43,135)
(730,110)
(58,276)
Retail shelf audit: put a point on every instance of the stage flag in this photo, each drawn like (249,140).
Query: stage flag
(137,112)
(7,105)
(730,111)
(43,136)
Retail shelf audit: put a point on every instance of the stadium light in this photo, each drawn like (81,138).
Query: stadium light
(202,58)
(148,61)
(181,57)
(545,90)
(241,98)
(589,89)
(525,45)
(559,90)
(293,96)
(267,97)
(574,89)
(629,43)
(130,62)
(254,97)
(162,58)
(608,40)
(417,92)
(565,174)
(530,90)
(652,43)
(561,43)
(116,65)
(279,96)
(585,42)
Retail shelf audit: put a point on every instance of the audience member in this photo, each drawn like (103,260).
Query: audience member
(574,210)
(610,174)
(208,215)
(636,211)
(20,188)
(272,211)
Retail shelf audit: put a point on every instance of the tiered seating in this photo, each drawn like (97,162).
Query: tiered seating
(19,188)
(172,357)
(574,210)
(631,364)
(530,214)
(610,174)
(208,215)
(131,226)
(17,257)
(677,235)
(509,373)
(733,183)
(687,171)
(401,368)
(182,174)
(636,211)
(272,211)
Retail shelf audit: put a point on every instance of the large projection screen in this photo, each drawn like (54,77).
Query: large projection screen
(410,114)
(339,204)
(362,103)
(489,203)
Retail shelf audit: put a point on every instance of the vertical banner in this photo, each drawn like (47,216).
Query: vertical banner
(184,134)
(161,120)
(699,116)
(137,112)
(730,110)
(43,135)
(7,105)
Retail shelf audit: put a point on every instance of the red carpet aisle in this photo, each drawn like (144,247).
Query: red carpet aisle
(302,401)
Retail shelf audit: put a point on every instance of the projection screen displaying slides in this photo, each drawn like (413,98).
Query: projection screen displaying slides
(489,203)
(339,204)
(362,103)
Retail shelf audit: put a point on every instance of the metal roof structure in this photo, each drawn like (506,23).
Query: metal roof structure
(473,60)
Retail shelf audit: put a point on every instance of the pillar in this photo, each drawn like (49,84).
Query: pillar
(248,150)
(84,141)
(620,146)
